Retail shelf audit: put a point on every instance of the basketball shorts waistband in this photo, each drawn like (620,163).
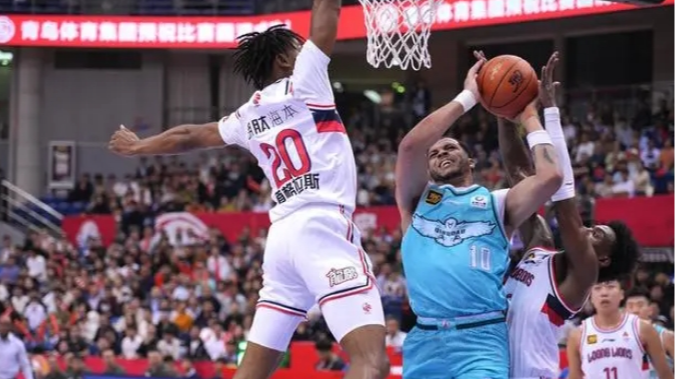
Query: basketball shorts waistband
(462,322)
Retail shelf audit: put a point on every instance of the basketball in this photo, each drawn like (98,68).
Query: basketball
(507,84)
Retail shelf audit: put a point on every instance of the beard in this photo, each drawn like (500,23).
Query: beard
(446,177)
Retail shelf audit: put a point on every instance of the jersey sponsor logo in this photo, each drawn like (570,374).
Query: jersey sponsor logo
(451,232)
(607,352)
(433,197)
(522,276)
(479,201)
(341,275)
(272,119)
(592,339)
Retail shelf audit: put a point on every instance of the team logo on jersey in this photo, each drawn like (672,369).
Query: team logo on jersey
(433,197)
(341,275)
(479,201)
(592,339)
(451,232)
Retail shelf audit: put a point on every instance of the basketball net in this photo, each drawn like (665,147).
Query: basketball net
(398,32)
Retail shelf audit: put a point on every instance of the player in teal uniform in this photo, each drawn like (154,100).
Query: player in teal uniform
(455,247)
(637,303)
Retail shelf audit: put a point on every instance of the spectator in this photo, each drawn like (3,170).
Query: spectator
(157,367)
(328,361)
(131,342)
(395,336)
(169,345)
(76,368)
(111,365)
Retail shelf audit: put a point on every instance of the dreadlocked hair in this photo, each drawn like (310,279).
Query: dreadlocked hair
(254,57)
(624,256)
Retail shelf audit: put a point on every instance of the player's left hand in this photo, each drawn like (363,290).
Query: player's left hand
(547,86)
(470,81)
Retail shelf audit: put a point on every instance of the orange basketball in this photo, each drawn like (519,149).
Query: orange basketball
(507,84)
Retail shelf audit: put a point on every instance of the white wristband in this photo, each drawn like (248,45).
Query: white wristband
(466,99)
(538,137)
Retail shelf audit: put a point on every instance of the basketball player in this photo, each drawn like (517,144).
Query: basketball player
(637,303)
(313,253)
(546,288)
(455,247)
(614,344)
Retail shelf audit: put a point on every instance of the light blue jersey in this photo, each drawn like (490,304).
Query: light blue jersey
(455,252)
(660,330)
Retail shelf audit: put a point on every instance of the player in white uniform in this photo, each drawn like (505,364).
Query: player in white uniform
(614,344)
(546,287)
(313,253)
(637,303)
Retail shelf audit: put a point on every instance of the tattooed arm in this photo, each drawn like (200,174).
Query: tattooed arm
(526,197)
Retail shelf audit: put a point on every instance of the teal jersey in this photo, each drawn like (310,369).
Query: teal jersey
(660,330)
(456,253)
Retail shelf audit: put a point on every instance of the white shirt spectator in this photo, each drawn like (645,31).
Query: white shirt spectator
(396,340)
(14,358)
(215,348)
(19,303)
(650,157)
(218,266)
(169,347)
(35,314)
(585,149)
(4,293)
(624,186)
(37,267)
(130,346)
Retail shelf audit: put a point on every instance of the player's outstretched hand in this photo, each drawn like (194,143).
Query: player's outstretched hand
(123,142)
(547,85)
(470,81)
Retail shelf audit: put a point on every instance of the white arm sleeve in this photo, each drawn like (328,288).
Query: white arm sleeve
(310,76)
(554,129)
(232,131)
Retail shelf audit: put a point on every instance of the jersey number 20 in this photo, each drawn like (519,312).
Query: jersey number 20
(283,167)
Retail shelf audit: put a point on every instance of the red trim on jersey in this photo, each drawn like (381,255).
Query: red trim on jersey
(354,291)
(636,331)
(542,248)
(320,106)
(554,284)
(281,309)
(613,330)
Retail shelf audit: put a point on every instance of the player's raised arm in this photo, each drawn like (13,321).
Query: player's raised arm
(526,197)
(178,140)
(654,348)
(668,342)
(324,24)
(573,355)
(518,166)
(411,175)
(581,258)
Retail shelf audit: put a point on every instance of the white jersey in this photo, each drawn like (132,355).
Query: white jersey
(295,132)
(613,353)
(536,316)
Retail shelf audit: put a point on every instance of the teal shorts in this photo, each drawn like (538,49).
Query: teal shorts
(477,350)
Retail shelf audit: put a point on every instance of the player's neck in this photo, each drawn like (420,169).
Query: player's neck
(462,181)
(609,320)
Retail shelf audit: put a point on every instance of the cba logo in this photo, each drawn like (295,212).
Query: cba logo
(592,339)
(7,29)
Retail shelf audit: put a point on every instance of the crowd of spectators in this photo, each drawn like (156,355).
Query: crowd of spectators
(148,296)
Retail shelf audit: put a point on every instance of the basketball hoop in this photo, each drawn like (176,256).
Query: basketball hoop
(398,32)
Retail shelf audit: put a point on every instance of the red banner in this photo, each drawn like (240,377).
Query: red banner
(221,32)
(650,218)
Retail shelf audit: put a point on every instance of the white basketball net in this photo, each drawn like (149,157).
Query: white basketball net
(398,32)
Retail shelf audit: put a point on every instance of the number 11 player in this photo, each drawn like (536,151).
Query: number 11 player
(313,253)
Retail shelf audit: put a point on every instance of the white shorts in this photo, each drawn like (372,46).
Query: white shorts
(314,255)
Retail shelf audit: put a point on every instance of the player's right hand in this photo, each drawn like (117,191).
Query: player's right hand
(470,81)
(123,142)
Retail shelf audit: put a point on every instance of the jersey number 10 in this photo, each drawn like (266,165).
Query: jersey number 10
(279,154)
(480,258)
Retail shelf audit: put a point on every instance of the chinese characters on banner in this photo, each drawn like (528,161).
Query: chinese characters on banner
(221,32)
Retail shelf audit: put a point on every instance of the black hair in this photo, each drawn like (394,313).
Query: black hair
(624,255)
(254,57)
(637,292)
(323,345)
(467,149)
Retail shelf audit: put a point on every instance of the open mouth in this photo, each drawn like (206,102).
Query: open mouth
(604,302)
(446,163)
